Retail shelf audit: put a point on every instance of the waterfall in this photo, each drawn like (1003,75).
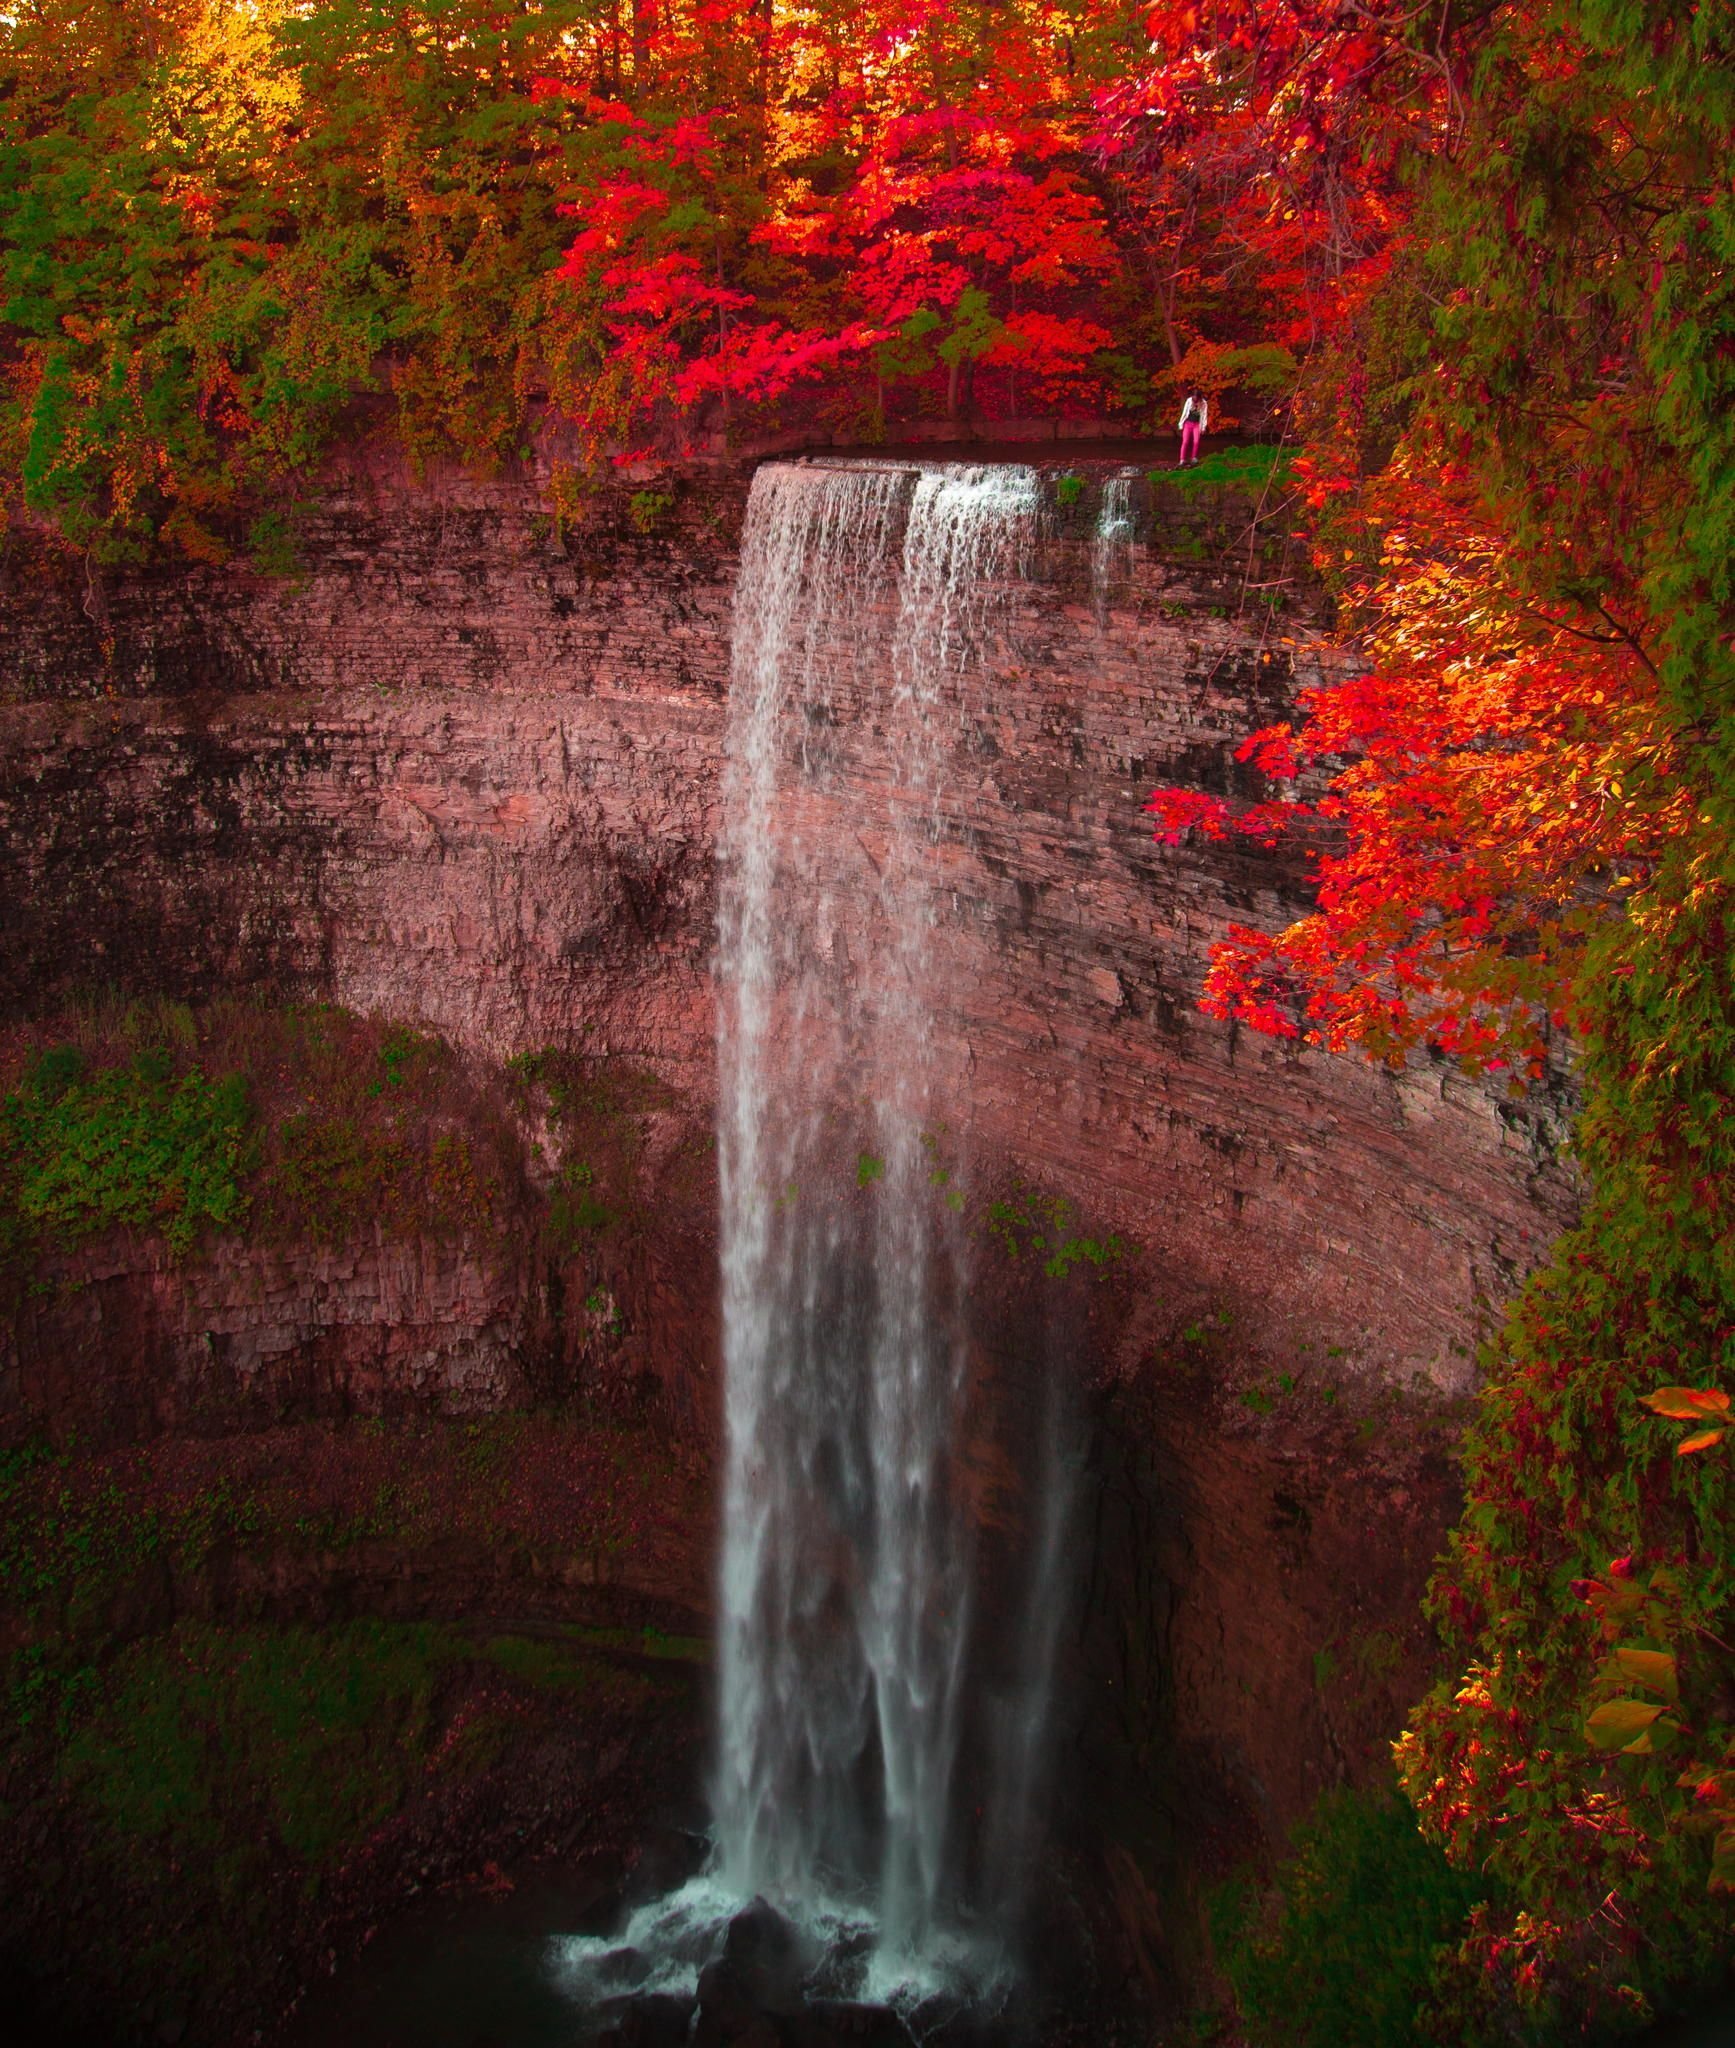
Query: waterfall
(845,1579)
(870,605)
(1112,544)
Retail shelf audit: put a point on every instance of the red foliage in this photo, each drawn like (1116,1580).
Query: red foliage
(906,195)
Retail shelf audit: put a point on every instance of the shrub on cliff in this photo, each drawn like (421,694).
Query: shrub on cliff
(1342,1951)
(85,1149)
(295,1123)
(1523,483)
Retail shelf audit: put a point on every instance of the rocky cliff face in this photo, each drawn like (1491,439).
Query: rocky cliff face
(464,768)
(123,1342)
(457,1245)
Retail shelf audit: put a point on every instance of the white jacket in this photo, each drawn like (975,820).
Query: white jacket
(1202,408)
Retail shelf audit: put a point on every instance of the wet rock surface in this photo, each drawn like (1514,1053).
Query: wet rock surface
(755,1995)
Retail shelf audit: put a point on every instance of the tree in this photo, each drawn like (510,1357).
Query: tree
(1522,479)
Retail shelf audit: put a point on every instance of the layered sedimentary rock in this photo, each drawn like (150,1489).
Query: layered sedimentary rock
(123,1341)
(463,767)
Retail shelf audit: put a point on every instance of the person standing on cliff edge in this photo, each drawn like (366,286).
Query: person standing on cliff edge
(1195,418)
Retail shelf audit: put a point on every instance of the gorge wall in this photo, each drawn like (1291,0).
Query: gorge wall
(462,767)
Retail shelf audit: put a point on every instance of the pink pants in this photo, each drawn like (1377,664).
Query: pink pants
(1190,441)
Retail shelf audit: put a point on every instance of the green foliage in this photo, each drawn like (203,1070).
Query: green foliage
(1031,1224)
(217,232)
(1340,1953)
(1263,366)
(575,1211)
(598,1113)
(330,1171)
(649,1642)
(868,1169)
(232,234)
(84,1150)
(68,1553)
(604,1312)
(303,1122)
(274,546)
(399,1050)
(1261,469)
(213,1778)
(1560,332)
(317,1732)
(220,1754)
(1588,1547)
(648,509)
(1068,489)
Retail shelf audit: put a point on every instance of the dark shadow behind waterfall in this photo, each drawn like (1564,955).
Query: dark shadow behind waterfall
(1023,1713)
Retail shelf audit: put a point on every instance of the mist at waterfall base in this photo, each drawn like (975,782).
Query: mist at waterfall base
(880,1754)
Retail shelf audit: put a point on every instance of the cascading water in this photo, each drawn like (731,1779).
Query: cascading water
(1112,545)
(870,596)
(845,1580)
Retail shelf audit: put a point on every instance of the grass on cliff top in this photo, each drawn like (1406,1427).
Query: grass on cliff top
(301,1122)
(1255,468)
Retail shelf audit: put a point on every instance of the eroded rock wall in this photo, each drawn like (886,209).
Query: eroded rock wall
(456,770)
(120,1341)
(464,768)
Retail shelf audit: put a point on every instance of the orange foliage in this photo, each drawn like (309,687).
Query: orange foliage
(1499,774)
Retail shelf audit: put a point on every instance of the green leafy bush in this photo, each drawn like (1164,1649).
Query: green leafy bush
(83,1150)
(1341,1951)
